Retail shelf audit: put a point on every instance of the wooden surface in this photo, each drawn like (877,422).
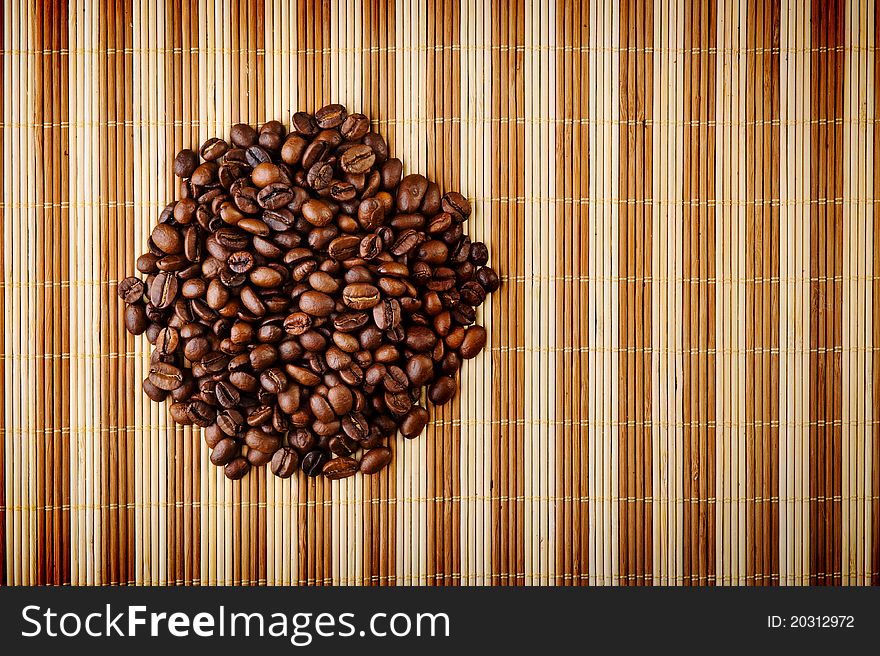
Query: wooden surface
(682,384)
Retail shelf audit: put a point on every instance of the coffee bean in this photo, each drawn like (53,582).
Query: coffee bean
(135,318)
(213,148)
(156,394)
(317,212)
(357,159)
(237,469)
(131,290)
(243,135)
(341,467)
(473,342)
(354,127)
(163,291)
(165,376)
(284,462)
(225,450)
(375,460)
(316,304)
(331,116)
(313,462)
(415,421)
(185,163)
(360,296)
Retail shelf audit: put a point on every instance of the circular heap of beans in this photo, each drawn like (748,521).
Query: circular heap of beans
(301,293)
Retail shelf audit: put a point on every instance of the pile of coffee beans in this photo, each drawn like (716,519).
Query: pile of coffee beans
(301,293)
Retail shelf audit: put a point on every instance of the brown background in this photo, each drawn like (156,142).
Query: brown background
(683,379)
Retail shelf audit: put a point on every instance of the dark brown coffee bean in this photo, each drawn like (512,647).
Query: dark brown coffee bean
(410,193)
(213,148)
(274,196)
(237,469)
(273,380)
(354,127)
(355,426)
(344,247)
(317,212)
(135,318)
(473,293)
(433,252)
(340,399)
(357,159)
(360,296)
(387,314)
(457,205)
(200,413)
(131,290)
(225,450)
(488,279)
(292,149)
(261,441)
(331,116)
(163,291)
(313,462)
(165,376)
(420,339)
(341,467)
(316,304)
(179,415)
(441,390)
(284,462)
(265,277)
(243,135)
(479,253)
(185,163)
(350,321)
(156,394)
(375,460)
(419,369)
(302,375)
(474,341)
(391,173)
(320,175)
(371,214)
(414,422)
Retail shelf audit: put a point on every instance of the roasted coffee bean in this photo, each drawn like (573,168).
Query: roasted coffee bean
(473,342)
(131,290)
(163,291)
(165,376)
(331,116)
(284,462)
(243,135)
(313,462)
(135,318)
(185,163)
(273,380)
(488,279)
(292,149)
(341,467)
(375,460)
(415,421)
(237,469)
(360,296)
(357,159)
(200,413)
(441,390)
(213,149)
(316,304)
(225,450)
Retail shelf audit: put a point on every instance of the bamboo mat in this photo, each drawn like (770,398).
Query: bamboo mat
(682,384)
